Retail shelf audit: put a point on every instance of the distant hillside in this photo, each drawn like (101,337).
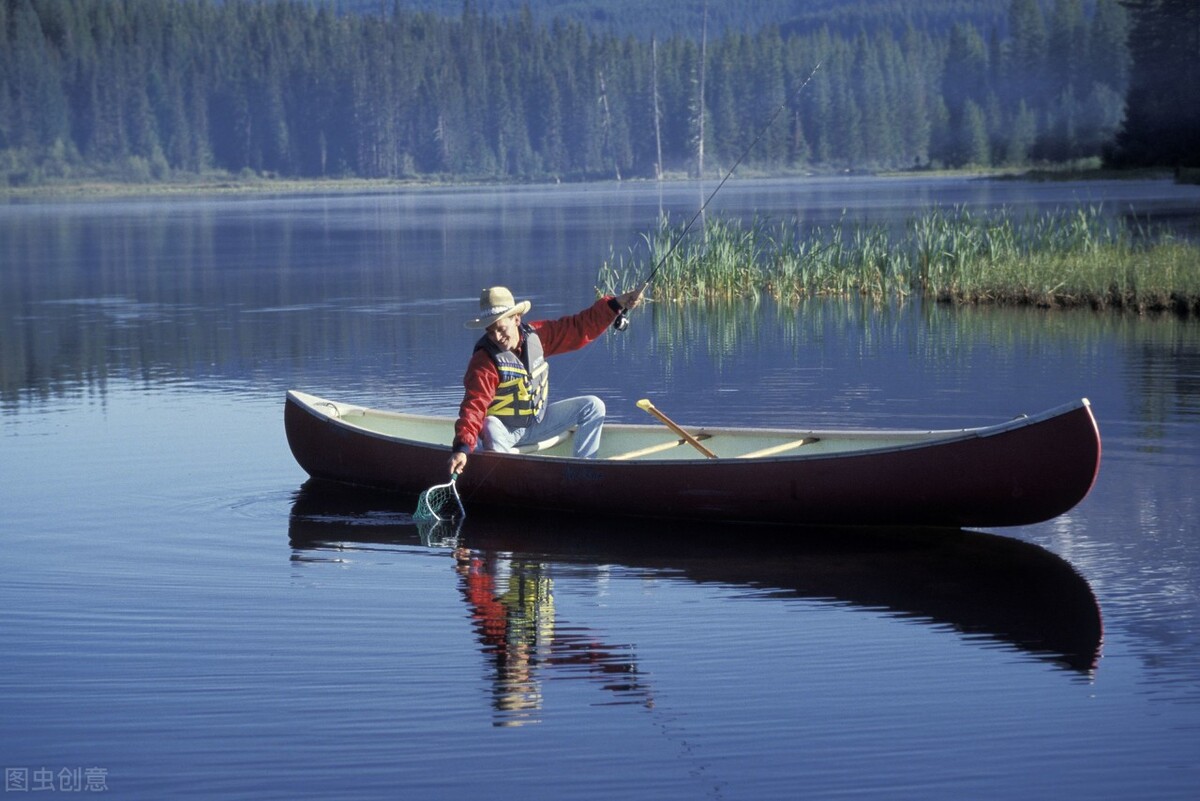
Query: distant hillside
(666,18)
(147,90)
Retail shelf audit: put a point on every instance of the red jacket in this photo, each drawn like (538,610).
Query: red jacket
(558,336)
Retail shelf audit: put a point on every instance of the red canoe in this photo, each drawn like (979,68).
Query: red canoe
(1023,471)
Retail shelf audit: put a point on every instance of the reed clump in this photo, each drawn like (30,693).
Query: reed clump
(1073,258)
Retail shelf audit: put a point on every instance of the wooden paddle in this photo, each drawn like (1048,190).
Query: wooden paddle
(646,405)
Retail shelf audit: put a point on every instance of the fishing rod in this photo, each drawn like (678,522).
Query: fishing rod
(622,321)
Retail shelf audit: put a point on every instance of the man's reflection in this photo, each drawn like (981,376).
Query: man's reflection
(512,611)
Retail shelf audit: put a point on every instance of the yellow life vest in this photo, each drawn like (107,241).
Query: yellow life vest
(524,380)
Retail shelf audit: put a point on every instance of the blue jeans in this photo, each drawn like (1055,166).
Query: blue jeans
(586,412)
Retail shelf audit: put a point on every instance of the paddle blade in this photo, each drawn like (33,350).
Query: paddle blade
(440,502)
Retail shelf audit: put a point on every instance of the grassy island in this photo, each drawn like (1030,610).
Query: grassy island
(1075,258)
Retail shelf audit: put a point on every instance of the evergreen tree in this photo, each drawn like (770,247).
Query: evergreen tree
(1062,140)
(7,89)
(1068,47)
(726,103)
(1022,135)
(917,78)
(965,88)
(1162,123)
(973,148)
(1024,72)
(1107,54)
(36,104)
(878,123)
(770,93)
(1100,118)
(816,111)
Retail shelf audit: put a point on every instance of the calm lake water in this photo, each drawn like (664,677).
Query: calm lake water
(184,616)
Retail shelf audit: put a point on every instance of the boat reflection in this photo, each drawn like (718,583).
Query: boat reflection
(984,586)
(511,600)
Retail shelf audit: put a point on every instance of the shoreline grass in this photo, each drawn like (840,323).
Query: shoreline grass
(1063,259)
(103,185)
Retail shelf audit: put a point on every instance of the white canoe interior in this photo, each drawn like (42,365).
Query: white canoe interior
(650,442)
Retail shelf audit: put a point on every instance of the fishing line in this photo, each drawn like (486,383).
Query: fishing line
(622,321)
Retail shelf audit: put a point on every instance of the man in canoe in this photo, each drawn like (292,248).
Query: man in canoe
(507,379)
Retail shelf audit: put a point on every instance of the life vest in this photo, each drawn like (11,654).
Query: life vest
(524,380)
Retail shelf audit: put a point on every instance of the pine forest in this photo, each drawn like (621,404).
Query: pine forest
(144,90)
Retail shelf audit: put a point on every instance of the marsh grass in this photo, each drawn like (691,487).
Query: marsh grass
(1057,259)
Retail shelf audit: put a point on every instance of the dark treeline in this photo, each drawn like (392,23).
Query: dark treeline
(1162,125)
(688,18)
(147,89)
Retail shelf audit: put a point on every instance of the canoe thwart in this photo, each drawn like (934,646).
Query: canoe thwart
(784,447)
(659,448)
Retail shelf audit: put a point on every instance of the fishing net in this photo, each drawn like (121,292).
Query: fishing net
(439,533)
(440,502)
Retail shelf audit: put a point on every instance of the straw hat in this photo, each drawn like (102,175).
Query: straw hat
(496,303)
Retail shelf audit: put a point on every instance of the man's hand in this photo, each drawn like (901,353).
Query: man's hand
(632,298)
(458,463)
